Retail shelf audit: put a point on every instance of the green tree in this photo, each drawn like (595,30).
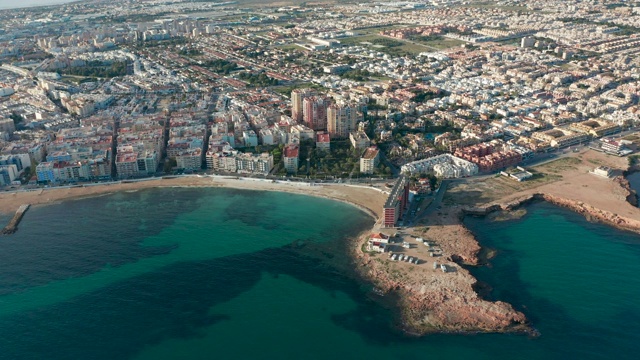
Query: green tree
(169,164)
(17,118)
(220,66)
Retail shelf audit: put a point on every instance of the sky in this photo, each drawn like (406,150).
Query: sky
(11,4)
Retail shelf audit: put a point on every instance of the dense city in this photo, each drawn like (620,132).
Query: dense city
(101,91)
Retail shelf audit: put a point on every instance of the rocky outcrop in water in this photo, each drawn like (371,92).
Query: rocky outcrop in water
(588,211)
(594,214)
(632,196)
(429,300)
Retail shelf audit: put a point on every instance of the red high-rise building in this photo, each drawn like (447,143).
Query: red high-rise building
(314,112)
(396,203)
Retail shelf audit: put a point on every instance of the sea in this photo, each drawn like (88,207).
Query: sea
(193,273)
(634,181)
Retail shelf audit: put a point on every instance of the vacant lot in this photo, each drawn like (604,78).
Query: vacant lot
(475,193)
(290,47)
(377,42)
(358,40)
(560,165)
(440,42)
(570,173)
(635,138)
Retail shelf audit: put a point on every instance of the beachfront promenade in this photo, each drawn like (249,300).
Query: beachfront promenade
(292,182)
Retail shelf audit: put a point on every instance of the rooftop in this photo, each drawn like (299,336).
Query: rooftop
(379,236)
(323,138)
(370,153)
(396,192)
(291,151)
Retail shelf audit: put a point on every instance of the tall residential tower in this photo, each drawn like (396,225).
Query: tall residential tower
(314,112)
(297,96)
(342,120)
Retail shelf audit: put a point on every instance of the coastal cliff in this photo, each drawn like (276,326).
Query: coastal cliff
(591,213)
(429,301)
(594,214)
(632,196)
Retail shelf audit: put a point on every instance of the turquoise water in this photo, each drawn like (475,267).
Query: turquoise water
(577,281)
(219,273)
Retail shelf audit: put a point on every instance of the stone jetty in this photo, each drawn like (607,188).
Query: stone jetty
(12,227)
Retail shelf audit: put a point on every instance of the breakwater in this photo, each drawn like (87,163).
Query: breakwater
(12,227)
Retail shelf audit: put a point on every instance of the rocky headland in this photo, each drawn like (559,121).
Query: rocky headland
(430,300)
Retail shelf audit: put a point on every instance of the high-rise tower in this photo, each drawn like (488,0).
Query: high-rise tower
(314,112)
(342,119)
(297,97)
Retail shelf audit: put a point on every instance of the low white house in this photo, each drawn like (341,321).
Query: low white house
(378,242)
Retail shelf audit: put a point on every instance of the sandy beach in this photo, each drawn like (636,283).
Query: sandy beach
(368,199)
(423,293)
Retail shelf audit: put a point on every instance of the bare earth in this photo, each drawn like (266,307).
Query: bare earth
(430,300)
(567,178)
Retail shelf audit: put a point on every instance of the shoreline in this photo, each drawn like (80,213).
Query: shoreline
(425,309)
(589,212)
(367,199)
(424,299)
(350,194)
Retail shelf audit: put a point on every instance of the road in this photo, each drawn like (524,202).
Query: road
(437,200)
(395,171)
(433,206)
